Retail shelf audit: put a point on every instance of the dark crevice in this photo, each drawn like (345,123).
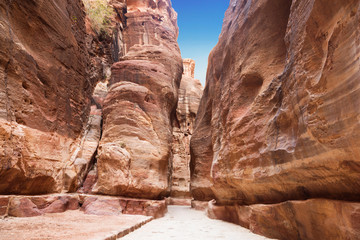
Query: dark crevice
(91,166)
(93,160)
(7,103)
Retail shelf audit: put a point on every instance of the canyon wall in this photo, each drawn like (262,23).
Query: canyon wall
(52,113)
(279,119)
(45,93)
(135,149)
(190,92)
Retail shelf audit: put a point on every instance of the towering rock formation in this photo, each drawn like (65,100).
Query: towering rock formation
(135,149)
(190,92)
(44,96)
(279,119)
(105,46)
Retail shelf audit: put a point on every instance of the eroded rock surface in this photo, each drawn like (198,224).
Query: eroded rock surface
(135,148)
(281,103)
(30,206)
(279,117)
(44,95)
(309,219)
(190,92)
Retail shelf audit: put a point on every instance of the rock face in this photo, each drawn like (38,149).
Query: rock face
(106,205)
(135,149)
(309,219)
(279,117)
(104,49)
(190,92)
(44,96)
(30,206)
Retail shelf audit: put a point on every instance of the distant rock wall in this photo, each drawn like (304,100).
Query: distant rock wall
(44,95)
(190,92)
(135,148)
(279,117)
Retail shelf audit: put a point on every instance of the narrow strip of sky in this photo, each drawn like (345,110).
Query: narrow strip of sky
(200,23)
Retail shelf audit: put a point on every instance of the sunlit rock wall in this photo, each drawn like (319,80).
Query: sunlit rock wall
(135,149)
(279,117)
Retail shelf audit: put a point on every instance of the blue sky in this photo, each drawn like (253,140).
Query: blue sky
(200,24)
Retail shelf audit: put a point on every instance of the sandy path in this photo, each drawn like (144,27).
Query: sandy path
(70,225)
(184,223)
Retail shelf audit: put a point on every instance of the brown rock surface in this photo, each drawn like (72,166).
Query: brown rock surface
(135,148)
(279,117)
(190,92)
(180,201)
(29,206)
(108,205)
(4,205)
(89,182)
(199,205)
(101,206)
(310,219)
(44,95)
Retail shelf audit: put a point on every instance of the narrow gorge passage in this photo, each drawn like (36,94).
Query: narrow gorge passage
(184,223)
(102,117)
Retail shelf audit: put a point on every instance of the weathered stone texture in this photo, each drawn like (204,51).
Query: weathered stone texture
(190,92)
(135,148)
(309,219)
(279,117)
(44,95)
(30,206)
(105,205)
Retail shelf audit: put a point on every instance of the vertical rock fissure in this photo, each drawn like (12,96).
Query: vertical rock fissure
(189,95)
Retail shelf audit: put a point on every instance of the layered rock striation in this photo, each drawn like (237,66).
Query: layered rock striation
(190,92)
(44,96)
(279,117)
(135,148)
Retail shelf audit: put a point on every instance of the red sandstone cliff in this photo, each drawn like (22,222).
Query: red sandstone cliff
(135,148)
(44,96)
(51,60)
(279,119)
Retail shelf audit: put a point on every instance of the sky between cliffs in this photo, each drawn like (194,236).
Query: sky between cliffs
(200,23)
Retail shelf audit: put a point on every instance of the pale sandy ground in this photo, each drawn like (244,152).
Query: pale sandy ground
(70,225)
(184,223)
